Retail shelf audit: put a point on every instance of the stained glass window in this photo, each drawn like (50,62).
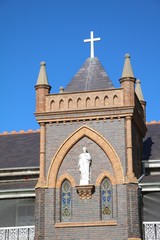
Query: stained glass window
(66,201)
(106,199)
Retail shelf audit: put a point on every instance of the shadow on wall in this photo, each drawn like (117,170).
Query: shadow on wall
(147,148)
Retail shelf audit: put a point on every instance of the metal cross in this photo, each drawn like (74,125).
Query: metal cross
(92,40)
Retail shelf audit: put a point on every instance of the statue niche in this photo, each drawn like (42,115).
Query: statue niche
(84,165)
(85,189)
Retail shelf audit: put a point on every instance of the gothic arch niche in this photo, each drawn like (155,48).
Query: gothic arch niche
(61,104)
(52,105)
(99,160)
(79,103)
(115,100)
(106,101)
(88,102)
(71,141)
(70,103)
(97,102)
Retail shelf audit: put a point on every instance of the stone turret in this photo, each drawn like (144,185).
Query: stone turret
(139,93)
(127,82)
(42,88)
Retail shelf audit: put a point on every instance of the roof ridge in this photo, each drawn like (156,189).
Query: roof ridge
(153,122)
(20,132)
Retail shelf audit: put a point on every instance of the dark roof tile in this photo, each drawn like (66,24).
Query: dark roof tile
(151,143)
(91,76)
(27,184)
(151,179)
(19,150)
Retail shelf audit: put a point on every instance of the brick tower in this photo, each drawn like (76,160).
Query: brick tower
(109,124)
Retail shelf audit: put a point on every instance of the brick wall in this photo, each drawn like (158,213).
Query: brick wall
(113,131)
(125,201)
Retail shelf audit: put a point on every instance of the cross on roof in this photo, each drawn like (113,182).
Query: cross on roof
(92,40)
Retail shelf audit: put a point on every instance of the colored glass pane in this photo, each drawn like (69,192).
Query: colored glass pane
(66,201)
(106,198)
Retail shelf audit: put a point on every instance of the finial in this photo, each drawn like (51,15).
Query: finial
(92,40)
(127,55)
(127,69)
(42,77)
(61,89)
(42,63)
(138,90)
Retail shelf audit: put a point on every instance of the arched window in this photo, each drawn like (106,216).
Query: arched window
(106,199)
(66,201)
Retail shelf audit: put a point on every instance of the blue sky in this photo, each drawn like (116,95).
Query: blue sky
(53,31)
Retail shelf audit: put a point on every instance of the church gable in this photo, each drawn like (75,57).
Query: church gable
(87,169)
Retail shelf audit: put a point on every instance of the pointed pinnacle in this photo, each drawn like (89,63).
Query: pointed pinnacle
(42,77)
(138,90)
(127,69)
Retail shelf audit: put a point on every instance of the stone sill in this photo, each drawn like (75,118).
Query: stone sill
(86,224)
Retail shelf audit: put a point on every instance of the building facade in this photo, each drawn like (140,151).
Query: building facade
(91,171)
(109,122)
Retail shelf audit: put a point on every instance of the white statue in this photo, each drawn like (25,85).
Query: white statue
(84,165)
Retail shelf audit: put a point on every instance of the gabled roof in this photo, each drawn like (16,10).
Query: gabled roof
(91,76)
(19,150)
(151,143)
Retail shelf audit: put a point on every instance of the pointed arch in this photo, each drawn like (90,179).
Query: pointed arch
(115,100)
(88,102)
(70,103)
(63,177)
(61,104)
(106,101)
(79,102)
(52,105)
(97,102)
(71,140)
(103,175)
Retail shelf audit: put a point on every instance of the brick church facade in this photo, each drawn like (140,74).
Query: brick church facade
(111,124)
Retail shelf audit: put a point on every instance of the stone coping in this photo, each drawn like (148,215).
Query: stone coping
(86,224)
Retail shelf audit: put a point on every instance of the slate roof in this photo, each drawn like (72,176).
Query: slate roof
(27,184)
(151,179)
(19,150)
(151,143)
(91,76)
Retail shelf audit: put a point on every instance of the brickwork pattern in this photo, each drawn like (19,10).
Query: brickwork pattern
(113,131)
(124,211)
(133,211)
(137,150)
(87,210)
(39,214)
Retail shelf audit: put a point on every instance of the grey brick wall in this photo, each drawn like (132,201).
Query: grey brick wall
(113,131)
(125,201)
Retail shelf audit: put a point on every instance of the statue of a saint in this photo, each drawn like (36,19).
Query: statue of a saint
(84,165)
